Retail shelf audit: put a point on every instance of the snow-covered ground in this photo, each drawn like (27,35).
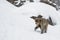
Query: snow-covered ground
(16,24)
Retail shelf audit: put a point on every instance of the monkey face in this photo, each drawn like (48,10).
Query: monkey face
(38,21)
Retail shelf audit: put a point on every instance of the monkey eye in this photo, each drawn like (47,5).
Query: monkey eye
(39,20)
(36,20)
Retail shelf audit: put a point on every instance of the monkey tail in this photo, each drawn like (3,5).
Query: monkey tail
(51,22)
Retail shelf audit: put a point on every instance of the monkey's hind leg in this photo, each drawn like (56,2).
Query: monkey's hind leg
(42,31)
(45,31)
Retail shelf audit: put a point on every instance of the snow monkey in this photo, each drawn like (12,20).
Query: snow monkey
(41,23)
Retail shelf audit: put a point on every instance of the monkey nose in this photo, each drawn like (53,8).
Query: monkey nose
(35,23)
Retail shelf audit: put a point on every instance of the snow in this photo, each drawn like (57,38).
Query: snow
(16,24)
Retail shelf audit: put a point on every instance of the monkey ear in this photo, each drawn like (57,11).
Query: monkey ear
(33,17)
(40,16)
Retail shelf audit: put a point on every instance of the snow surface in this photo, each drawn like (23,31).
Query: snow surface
(16,24)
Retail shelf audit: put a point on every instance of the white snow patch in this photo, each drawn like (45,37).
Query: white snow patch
(16,24)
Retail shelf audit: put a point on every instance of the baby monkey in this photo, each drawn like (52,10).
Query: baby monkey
(41,23)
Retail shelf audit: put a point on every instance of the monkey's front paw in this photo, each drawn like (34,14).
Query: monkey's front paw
(45,32)
(41,32)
